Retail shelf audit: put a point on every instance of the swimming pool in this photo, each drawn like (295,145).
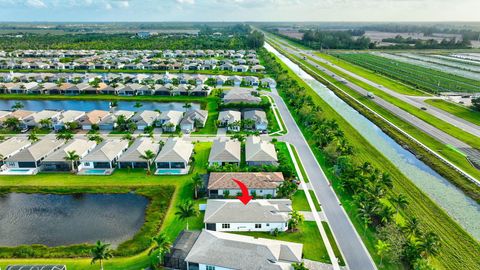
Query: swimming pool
(20,171)
(96,172)
(170,171)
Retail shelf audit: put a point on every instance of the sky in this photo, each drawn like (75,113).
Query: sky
(239,10)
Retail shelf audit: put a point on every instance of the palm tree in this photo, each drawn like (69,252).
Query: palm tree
(412,228)
(429,245)
(101,252)
(365,211)
(73,157)
(65,135)
(138,105)
(295,219)
(149,155)
(161,244)
(18,105)
(382,248)
(400,202)
(33,136)
(386,214)
(186,210)
(12,123)
(46,123)
(299,266)
(197,182)
(187,106)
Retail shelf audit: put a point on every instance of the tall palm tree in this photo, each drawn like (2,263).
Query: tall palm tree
(382,248)
(73,157)
(33,136)
(400,202)
(412,228)
(197,182)
(429,245)
(149,155)
(138,105)
(187,106)
(161,244)
(65,135)
(101,252)
(186,210)
(12,123)
(46,123)
(18,105)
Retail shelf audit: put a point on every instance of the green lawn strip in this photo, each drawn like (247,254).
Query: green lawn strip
(299,201)
(332,241)
(211,124)
(307,234)
(120,179)
(315,200)
(457,110)
(281,120)
(446,151)
(300,164)
(455,254)
(421,114)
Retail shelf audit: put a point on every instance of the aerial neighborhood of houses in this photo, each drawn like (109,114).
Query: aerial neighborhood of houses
(103,141)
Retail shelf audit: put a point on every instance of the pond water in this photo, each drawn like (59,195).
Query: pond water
(55,220)
(460,207)
(88,105)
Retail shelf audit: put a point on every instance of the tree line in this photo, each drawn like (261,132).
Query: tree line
(377,207)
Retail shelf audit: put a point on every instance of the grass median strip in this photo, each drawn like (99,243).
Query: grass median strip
(457,110)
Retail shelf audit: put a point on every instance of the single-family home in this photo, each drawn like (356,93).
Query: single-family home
(65,117)
(174,157)
(225,151)
(258,118)
(132,158)
(268,82)
(145,119)
(230,119)
(58,160)
(193,119)
(228,251)
(21,115)
(226,215)
(92,118)
(259,152)
(110,121)
(261,183)
(257,68)
(169,120)
(12,146)
(240,95)
(35,120)
(104,156)
(32,156)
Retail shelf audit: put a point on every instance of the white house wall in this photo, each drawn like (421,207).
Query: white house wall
(250,227)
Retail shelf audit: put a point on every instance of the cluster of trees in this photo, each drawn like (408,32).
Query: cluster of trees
(476,103)
(102,41)
(401,42)
(375,203)
(320,39)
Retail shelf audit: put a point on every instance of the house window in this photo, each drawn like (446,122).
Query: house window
(210,267)
(225,226)
(258,226)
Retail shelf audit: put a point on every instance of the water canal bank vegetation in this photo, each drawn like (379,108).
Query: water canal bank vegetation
(369,194)
(346,94)
(159,200)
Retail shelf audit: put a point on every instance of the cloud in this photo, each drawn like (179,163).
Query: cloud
(35,4)
(191,2)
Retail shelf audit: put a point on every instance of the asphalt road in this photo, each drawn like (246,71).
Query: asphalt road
(441,136)
(352,247)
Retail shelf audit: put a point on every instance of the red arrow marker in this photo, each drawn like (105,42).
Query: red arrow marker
(245,198)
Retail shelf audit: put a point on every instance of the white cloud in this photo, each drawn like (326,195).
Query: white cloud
(36,4)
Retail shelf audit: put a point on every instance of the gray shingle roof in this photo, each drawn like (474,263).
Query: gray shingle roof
(256,211)
(80,146)
(12,145)
(138,148)
(225,151)
(106,151)
(37,151)
(175,150)
(235,251)
(258,150)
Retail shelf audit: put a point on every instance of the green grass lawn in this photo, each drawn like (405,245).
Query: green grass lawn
(299,201)
(457,110)
(308,235)
(211,124)
(455,254)
(300,165)
(121,178)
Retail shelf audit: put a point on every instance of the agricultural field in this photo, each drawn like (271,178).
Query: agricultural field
(440,65)
(427,79)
